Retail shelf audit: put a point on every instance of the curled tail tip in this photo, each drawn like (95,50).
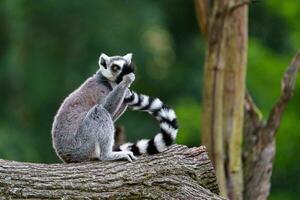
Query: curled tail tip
(167,120)
(158,144)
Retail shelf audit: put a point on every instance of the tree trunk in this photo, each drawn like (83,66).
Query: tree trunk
(224,89)
(224,26)
(178,173)
(235,53)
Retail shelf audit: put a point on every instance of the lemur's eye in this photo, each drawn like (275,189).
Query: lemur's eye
(115,68)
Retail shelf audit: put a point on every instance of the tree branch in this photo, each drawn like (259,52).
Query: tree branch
(178,173)
(251,108)
(202,13)
(287,89)
(259,148)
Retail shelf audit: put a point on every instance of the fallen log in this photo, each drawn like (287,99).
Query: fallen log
(178,173)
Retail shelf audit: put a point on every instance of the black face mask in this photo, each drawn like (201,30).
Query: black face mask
(127,69)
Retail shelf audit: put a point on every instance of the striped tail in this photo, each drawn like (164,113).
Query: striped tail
(167,120)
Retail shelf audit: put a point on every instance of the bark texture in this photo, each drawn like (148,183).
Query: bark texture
(178,173)
(235,53)
(225,28)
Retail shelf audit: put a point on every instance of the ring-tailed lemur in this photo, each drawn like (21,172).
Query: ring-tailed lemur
(83,128)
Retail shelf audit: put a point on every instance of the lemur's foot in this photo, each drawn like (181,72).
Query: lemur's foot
(128,155)
(120,155)
(128,78)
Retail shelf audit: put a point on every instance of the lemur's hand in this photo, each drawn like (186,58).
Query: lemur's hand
(128,79)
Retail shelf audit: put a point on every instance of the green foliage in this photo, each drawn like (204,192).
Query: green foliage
(48,48)
(189,119)
(14,145)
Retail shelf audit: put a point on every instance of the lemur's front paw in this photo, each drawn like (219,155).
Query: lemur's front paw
(129,78)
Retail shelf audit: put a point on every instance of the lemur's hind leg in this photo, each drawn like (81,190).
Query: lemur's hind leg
(97,130)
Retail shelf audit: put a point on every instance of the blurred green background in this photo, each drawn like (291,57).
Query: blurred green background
(48,48)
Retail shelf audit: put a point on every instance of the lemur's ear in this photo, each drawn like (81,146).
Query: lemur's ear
(103,60)
(128,57)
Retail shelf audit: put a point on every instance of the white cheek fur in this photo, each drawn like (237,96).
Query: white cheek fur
(107,73)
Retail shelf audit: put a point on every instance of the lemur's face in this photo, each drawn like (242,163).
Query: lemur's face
(115,67)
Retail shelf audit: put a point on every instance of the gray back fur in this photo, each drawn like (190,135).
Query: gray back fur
(73,111)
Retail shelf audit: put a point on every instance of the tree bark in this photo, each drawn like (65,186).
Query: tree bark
(235,53)
(178,173)
(224,88)
(212,119)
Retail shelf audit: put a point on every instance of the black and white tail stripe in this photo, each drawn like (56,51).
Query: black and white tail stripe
(166,117)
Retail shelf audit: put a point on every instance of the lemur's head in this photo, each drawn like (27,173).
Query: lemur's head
(115,67)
